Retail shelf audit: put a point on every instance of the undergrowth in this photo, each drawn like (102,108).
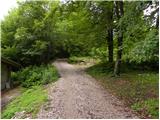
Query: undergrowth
(83,60)
(138,88)
(33,96)
(35,75)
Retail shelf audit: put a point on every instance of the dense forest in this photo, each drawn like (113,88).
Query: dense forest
(118,33)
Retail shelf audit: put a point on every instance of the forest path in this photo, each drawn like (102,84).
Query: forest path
(78,95)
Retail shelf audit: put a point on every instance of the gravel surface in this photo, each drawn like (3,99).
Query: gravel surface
(78,95)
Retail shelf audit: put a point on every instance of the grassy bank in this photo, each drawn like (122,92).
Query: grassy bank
(138,88)
(30,102)
(78,60)
(32,79)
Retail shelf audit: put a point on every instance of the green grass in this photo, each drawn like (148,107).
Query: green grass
(138,88)
(33,96)
(86,59)
(31,78)
(149,107)
(30,101)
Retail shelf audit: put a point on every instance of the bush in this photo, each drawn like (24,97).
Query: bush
(100,53)
(145,50)
(35,75)
(74,59)
(10,52)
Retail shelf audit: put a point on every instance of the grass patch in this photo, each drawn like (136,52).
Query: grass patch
(31,78)
(30,102)
(133,86)
(84,60)
(149,107)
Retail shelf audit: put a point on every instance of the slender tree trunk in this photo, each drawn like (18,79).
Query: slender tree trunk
(49,52)
(119,55)
(110,36)
(110,45)
(119,12)
(157,21)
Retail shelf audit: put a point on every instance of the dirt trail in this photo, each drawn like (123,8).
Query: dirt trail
(9,95)
(78,95)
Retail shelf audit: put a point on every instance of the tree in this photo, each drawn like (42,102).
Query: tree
(103,18)
(119,13)
(109,20)
(38,31)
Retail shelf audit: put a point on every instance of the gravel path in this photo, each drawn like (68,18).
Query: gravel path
(78,95)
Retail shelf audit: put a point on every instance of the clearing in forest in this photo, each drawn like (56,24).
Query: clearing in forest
(78,95)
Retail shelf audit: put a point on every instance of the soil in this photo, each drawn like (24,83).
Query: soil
(8,95)
(78,95)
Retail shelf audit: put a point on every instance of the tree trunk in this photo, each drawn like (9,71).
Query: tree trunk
(110,45)
(157,21)
(119,12)
(110,34)
(119,55)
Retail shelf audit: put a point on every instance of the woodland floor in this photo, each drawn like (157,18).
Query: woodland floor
(78,95)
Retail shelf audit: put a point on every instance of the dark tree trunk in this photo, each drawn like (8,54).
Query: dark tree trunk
(49,52)
(157,21)
(110,45)
(110,35)
(119,13)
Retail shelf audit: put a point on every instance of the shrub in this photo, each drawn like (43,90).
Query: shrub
(74,59)
(100,53)
(145,50)
(35,75)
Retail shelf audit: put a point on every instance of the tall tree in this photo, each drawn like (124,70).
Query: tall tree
(103,16)
(119,13)
(110,32)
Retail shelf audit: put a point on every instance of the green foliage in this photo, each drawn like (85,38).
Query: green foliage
(24,29)
(100,53)
(146,50)
(101,69)
(134,87)
(85,60)
(35,75)
(75,59)
(30,102)
(37,31)
(37,49)
(148,108)
(8,28)
(10,52)
(140,35)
